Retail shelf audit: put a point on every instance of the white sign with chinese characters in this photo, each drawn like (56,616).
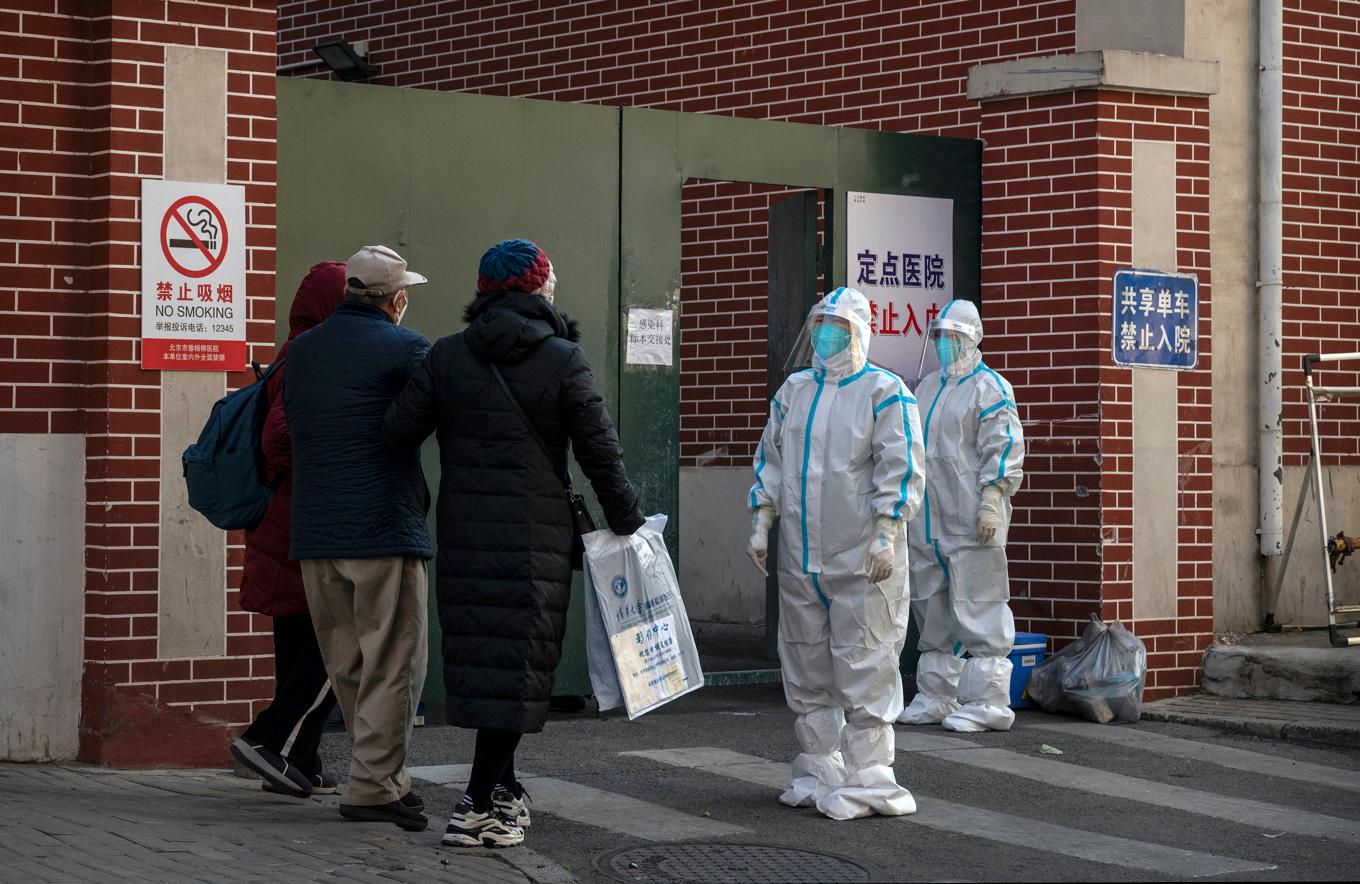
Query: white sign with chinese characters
(649,337)
(900,254)
(193,276)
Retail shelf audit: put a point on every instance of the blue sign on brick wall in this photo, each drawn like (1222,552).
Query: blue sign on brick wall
(1156,319)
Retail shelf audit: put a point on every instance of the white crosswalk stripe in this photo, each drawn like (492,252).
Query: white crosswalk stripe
(981,823)
(1242,811)
(596,807)
(1259,763)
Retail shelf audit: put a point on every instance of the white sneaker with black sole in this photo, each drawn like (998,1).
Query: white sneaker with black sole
(515,808)
(471,828)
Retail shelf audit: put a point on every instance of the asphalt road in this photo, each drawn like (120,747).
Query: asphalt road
(1144,802)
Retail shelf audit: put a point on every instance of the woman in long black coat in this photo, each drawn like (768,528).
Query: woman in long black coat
(504,524)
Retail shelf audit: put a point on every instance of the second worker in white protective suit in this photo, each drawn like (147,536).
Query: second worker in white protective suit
(839,463)
(974,453)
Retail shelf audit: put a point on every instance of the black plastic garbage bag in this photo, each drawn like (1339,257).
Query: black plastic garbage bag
(1099,676)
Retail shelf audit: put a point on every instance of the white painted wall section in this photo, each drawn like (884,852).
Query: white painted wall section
(42,595)
(1155,430)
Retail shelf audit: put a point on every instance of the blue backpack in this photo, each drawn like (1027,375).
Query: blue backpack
(223,468)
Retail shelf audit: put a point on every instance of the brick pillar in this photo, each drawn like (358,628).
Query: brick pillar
(92,119)
(1086,176)
(145,702)
(1044,235)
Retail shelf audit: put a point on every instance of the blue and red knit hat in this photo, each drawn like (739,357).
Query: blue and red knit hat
(513,265)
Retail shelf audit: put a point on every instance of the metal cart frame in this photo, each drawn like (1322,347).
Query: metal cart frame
(1332,547)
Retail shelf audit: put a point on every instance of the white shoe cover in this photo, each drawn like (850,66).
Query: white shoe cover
(872,790)
(976,718)
(937,683)
(984,692)
(925,709)
(813,777)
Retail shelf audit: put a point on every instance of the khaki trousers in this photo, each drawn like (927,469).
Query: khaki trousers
(370,618)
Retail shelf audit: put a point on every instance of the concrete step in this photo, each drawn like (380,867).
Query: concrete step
(1331,724)
(1294,666)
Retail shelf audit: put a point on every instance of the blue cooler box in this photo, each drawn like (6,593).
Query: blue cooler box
(1027,653)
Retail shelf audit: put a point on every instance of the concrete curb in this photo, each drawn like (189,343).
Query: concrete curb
(1292,732)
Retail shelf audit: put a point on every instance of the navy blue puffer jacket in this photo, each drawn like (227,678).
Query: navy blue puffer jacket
(354,497)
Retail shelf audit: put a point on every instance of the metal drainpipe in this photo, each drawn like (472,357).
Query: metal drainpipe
(1269,285)
(298,65)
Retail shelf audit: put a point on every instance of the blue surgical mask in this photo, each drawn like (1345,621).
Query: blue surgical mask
(828,340)
(947,350)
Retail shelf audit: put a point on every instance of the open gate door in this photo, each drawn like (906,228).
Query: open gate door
(793,264)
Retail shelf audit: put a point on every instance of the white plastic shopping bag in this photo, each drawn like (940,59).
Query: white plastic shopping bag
(639,646)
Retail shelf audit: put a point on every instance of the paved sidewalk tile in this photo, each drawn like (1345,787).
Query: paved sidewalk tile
(1329,723)
(66,823)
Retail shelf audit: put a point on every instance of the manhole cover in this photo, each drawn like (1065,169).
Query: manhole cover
(705,863)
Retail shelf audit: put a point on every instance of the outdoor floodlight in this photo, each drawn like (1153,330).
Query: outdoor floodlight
(347,64)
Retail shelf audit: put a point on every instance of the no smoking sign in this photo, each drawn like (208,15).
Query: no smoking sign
(194,236)
(193,276)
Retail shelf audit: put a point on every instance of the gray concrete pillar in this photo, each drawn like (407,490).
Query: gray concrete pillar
(193,555)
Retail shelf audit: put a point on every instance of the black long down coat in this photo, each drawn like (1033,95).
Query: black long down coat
(504,527)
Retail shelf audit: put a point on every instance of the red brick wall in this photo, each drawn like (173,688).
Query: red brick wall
(1058,225)
(871,65)
(1175,645)
(723,320)
(895,66)
(81,123)
(1321,215)
(44,161)
(1043,241)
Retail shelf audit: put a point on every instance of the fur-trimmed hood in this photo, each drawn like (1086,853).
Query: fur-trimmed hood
(506,326)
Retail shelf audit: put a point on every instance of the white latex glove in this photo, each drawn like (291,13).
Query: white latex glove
(881,555)
(758,547)
(989,514)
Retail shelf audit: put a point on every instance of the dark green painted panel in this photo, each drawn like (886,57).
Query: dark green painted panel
(439,177)
(649,210)
(738,149)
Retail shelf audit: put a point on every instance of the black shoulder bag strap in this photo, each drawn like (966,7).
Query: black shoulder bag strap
(582,521)
(528,425)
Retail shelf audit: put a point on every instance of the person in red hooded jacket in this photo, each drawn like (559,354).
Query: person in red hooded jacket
(281,744)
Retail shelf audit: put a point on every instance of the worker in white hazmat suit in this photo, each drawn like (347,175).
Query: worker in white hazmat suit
(839,463)
(974,451)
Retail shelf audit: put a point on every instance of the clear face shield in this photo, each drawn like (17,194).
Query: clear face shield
(950,341)
(830,343)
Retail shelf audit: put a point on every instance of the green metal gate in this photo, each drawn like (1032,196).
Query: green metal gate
(440,176)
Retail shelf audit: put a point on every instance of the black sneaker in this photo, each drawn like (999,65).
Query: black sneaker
(471,828)
(411,799)
(275,769)
(322,784)
(512,806)
(395,812)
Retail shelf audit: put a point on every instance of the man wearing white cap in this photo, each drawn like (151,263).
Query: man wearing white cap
(359,526)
